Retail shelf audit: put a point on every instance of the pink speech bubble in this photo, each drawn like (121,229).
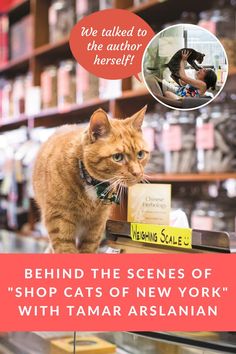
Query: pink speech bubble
(110,43)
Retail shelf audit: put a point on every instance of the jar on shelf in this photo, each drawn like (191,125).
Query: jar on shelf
(214,153)
(213,216)
(28,80)
(221,21)
(18,96)
(200,218)
(7,100)
(152,132)
(178,139)
(61,17)
(49,87)
(87,85)
(66,78)
(86,7)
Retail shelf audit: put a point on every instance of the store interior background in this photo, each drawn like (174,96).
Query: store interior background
(41,88)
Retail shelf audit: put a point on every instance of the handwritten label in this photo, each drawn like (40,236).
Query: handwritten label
(208,25)
(172,138)
(205,136)
(149,137)
(161,235)
(202,222)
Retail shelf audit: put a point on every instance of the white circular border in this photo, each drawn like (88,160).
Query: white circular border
(216,39)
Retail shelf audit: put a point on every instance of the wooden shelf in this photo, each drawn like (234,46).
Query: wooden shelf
(162,11)
(133,94)
(200,177)
(13,123)
(145,6)
(17,65)
(19,6)
(48,51)
(52,47)
(76,113)
(19,10)
(232,70)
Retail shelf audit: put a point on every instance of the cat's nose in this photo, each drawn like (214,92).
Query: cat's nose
(136,172)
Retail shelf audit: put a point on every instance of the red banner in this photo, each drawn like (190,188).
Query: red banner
(5,5)
(193,292)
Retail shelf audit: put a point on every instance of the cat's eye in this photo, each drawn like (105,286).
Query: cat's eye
(118,157)
(140,154)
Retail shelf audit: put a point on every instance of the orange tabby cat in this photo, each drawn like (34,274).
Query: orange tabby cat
(76,176)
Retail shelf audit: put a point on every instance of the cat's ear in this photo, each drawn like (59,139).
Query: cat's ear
(99,125)
(137,118)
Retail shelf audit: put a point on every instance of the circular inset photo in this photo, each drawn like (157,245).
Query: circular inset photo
(185,67)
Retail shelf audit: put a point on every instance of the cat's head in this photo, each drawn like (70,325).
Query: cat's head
(114,149)
(200,58)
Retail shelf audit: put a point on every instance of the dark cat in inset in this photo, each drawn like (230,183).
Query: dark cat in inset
(174,63)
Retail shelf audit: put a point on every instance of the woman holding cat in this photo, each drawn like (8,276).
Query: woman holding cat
(204,80)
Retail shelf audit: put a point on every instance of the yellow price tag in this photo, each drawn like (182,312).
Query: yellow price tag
(161,235)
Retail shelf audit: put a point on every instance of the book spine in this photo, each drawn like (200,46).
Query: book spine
(4,27)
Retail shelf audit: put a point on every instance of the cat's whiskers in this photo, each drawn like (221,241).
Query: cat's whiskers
(106,180)
(146,178)
(112,186)
(146,175)
(119,190)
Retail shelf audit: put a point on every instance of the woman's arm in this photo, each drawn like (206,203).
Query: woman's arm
(199,84)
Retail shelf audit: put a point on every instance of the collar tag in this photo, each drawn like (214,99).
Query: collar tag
(107,197)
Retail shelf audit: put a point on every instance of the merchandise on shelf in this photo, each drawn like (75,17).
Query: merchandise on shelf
(105,4)
(21,37)
(33,101)
(86,7)
(2,81)
(178,139)
(4,28)
(221,22)
(49,87)
(13,94)
(212,215)
(86,85)
(61,18)
(140,2)
(185,17)
(18,96)
(152,130)
(109,88)
(215,139)
(66,83)
(7,103)
(16,163)
(137,84)
(12,188)
(149,203)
